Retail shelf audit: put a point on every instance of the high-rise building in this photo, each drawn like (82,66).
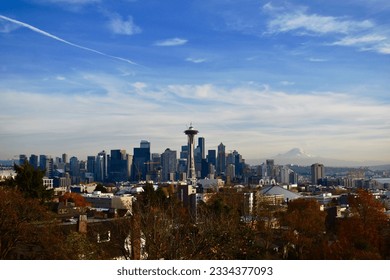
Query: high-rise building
(101,167)
(91,162)
(49,167)
(270,172)
(141,159)
(65,158)
(34,161)
(317,172)
(191,172)
(119,166)
(74,170)
(169,165)
(42,162)
(212,157)
(221,160)
(201,146)
(46,163)
(22,159)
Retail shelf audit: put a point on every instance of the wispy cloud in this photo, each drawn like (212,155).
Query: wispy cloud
(370,42)
(171,42)
(316,59)
(124,27)
(44,33)
(196,60)
(362,40)
(297,20)
(300,21)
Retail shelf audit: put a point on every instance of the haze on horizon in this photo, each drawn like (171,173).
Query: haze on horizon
(262,77)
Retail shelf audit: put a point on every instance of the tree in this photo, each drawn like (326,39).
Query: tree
(76,198)
(29,181)
(305,232)
(365,233)
(20,221)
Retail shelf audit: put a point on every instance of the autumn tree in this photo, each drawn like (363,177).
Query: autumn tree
(21,221)
(305,229)
(364,234)
(76,198)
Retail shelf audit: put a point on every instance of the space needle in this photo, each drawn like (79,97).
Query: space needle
(191,173)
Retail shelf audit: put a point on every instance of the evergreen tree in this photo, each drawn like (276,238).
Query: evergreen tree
(29,181)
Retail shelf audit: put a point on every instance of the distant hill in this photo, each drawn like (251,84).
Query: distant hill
(298,156)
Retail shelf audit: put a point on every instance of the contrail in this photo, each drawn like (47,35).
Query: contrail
(62,40)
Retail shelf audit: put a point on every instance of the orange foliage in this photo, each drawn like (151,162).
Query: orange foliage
(76,198)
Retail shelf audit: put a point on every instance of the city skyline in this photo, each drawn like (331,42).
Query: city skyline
(263,77)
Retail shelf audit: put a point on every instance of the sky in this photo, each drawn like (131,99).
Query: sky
(262,77)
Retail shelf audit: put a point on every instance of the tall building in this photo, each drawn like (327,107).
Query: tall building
(49,167)
(42,162)
(169,165)
(201,147)
(91,162)
(141,159)
(317,172)
(270,172)
(221,160)
(34,161)
(101,167)
(191,172)
(46,163)
(212,157)
(119,166)
(74,170)
(22,159)
(65,158)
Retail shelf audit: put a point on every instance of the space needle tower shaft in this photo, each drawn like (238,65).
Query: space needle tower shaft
(191,173)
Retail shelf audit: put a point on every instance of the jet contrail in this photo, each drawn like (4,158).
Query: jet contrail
(62,40)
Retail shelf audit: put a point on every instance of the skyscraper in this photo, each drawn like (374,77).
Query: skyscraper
(119,167)
(22,159)
(212,157)
(201,146)
(317,172)
(191,173)
(101,167)
(34,161)
(221,160)
(74,168)
(169,165)
(91,162)
(270,163)
(141,159)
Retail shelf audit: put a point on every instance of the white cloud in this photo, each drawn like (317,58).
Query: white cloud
(171,42)
(121,26)
(196,60)
(315,59)
(366,39)
(384,49)
(287,83)
(299,20)
(363,34)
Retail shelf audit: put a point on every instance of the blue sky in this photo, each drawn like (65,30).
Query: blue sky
(80,76)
